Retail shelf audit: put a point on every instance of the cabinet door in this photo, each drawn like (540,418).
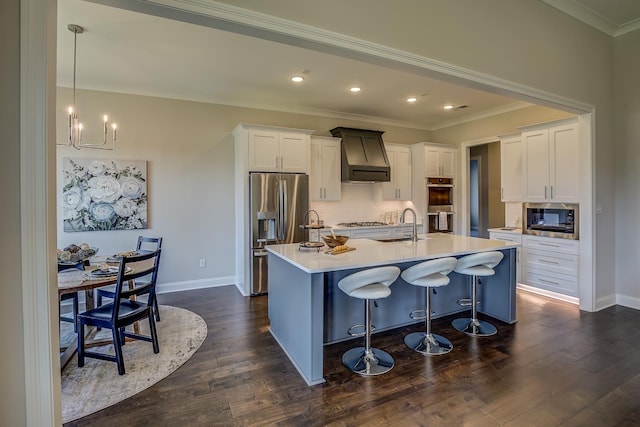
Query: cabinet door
(331,170)
(564,163)
(446,160)
(431,162)
(264,151)
(294,153)
(511,165)
(536,165)
(316,192)
(403,173)
(390,189)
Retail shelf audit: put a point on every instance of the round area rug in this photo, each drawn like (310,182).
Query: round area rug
(97,384)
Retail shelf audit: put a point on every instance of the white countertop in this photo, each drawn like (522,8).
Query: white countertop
(370,253)
(511,230)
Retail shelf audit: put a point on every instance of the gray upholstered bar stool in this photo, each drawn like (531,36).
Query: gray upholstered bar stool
(475,265)
(368,285)
(429,274)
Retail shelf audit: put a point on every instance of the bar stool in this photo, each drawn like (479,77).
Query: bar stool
(479,264)
(367,285)
(428,274)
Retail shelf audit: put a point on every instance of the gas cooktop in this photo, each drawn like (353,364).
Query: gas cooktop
(361,224)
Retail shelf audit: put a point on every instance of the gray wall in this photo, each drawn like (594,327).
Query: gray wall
(526,42)
(12,369)
(627,147)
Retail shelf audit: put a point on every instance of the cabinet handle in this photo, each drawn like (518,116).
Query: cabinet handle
(545,191)
(548,262)
(325,192)
(552,191)
(549,281)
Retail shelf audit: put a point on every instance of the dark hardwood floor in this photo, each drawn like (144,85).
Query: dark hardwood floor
(557,366)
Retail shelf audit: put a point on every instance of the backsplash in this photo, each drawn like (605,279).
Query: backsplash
(360,202)
(513,214)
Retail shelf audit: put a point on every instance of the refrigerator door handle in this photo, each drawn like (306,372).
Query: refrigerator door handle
(282,208)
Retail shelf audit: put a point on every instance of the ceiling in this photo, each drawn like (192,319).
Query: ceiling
(613,17)
(128,52)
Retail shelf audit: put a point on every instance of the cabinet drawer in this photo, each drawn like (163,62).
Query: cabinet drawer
(560,283)
(551,261)
(506,237)
(551,244)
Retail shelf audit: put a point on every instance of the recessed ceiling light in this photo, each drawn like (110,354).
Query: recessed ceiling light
(412,99)
(447,107)
(355,89)
(297,79)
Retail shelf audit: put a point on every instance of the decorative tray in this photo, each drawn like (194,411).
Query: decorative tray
(311,245)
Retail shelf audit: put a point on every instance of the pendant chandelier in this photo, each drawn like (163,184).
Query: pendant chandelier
(73,120)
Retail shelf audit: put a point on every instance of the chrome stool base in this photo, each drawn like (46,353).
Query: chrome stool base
(477,328)
(377,362)
(433,345)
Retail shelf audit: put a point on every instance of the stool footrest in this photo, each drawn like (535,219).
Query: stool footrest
(418,314)
(465,302)
(359,330)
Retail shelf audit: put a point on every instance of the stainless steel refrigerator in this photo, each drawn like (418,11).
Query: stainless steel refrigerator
(279,202)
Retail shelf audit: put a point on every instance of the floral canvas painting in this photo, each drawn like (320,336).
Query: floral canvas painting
(104,194)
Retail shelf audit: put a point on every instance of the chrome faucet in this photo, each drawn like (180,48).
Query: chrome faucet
(414,234)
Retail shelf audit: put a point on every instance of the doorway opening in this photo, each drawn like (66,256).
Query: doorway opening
(486,209)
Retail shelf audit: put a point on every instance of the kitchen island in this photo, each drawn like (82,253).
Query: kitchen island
(307,309)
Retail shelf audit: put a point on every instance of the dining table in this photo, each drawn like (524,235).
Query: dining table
(78,280)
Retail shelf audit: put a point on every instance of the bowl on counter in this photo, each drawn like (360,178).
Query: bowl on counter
(333,241)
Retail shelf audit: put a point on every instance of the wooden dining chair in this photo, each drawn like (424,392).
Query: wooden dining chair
(71,296)
(123,311)
(144,244)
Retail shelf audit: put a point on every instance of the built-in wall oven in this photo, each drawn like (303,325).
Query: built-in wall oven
(551,219)
(440,205)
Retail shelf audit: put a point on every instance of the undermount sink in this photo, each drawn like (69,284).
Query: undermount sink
(397,239)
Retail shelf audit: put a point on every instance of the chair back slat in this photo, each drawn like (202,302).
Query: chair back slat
(144,264)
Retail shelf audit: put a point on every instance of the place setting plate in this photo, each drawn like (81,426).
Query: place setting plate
(117,257)
(102,272)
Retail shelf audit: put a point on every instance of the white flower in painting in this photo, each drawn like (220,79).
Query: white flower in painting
(102,211)
(125,207)
(131,187)
(96,168)
(134,169)
(73,200)
(104,189)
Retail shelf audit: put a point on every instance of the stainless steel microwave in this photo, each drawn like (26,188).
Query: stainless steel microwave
(551,220)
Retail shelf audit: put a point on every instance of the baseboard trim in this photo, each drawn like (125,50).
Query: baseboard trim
(188,285)
(549,294)
(604,302)
(627,301)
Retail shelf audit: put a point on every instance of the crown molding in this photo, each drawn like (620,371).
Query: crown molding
(589,17)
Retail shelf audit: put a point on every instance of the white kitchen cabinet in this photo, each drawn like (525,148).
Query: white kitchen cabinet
(511,168)
(399,188)
(512,237)
(551,264)
(278,151)
(439,161)
(551,163)
(325,174)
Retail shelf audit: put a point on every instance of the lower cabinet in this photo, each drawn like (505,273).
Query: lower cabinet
(551,264)
(512,238)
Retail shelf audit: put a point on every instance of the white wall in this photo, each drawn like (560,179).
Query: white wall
(627,121)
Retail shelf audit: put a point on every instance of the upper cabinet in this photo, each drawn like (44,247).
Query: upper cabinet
(272,149)
(324,177)
(511,168)
(439,161)
(399,188)
(551,163)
